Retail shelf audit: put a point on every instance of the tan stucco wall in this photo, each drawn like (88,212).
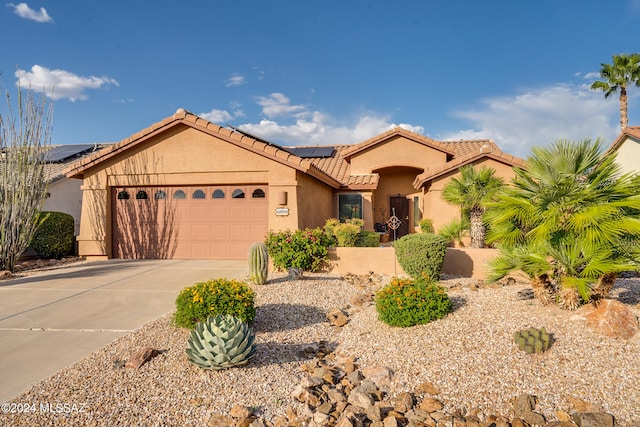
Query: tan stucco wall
(466,262)
(186,156)
(65,196)
(628,156)
(315,201)
(397,151)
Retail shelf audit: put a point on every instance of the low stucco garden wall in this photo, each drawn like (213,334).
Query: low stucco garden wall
(464,262)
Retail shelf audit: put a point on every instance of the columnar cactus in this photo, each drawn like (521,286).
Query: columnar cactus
(533,340)
(258,263)
(221,342)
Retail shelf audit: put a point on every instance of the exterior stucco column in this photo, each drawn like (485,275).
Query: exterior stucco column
(92,240)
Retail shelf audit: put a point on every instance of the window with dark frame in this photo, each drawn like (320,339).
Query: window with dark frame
(349,206)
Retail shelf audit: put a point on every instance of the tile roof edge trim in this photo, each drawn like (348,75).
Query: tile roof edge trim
(77,169)
(457,163)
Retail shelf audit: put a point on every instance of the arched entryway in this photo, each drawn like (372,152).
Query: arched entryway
(394,195)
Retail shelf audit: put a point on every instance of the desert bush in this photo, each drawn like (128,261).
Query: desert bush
(426,225)
(54,237)
(350,233)
(302,249)
(421,254)
(214,297)
(330,227)
(368,239)
(408,302)
(455,230)
(347,234)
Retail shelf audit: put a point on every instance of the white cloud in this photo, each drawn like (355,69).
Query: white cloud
(278,105)
(291,124)
(60,84)
(221,116)
(541,116)
(319,129)
(24,11)
(236,80)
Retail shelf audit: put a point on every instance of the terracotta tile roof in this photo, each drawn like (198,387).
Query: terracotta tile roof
(334,170)
(232,136)
(631,131)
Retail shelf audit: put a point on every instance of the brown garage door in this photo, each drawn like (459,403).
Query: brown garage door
(191,222)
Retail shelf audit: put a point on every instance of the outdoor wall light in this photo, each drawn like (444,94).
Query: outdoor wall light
(282,198)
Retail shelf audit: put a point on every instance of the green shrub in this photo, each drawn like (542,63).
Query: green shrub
(368,239)
(426,225)
(409,302)
(421,254)
(455,230)
(302,249)
(347,234)
(330,228)
(214,297)
(54,237)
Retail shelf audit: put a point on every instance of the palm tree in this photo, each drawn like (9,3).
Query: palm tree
(570,221)
(471,192)
(624,71)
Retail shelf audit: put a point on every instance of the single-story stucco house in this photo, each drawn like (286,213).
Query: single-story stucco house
(627,149)
(187,188)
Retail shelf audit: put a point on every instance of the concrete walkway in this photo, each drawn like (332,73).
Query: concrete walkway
(51,319)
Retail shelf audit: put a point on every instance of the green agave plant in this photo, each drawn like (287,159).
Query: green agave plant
(221,342)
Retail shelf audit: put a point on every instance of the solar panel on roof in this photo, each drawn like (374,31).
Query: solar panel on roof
(63,152)
(310,152)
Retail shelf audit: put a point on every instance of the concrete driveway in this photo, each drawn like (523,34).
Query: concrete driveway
(51,319)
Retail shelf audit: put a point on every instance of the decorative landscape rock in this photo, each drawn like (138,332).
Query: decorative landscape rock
(593,419)
(295,273)
(333,397)
(337,317)
(141,357)
(613,319)
(523,407)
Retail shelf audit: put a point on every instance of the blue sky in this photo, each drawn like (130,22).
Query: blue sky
(302,72)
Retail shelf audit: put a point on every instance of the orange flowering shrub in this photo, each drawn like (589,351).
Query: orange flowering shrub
(214,297)
(408,302)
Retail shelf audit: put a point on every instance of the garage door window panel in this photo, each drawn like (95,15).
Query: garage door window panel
(237,194)
(218,194)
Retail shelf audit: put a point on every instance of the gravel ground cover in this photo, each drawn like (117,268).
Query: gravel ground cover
(470,356)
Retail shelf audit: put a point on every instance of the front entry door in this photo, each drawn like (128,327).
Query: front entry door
(400,205)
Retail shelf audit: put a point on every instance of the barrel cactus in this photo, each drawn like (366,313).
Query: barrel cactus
(258,263)
(533,340)
(221,342)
